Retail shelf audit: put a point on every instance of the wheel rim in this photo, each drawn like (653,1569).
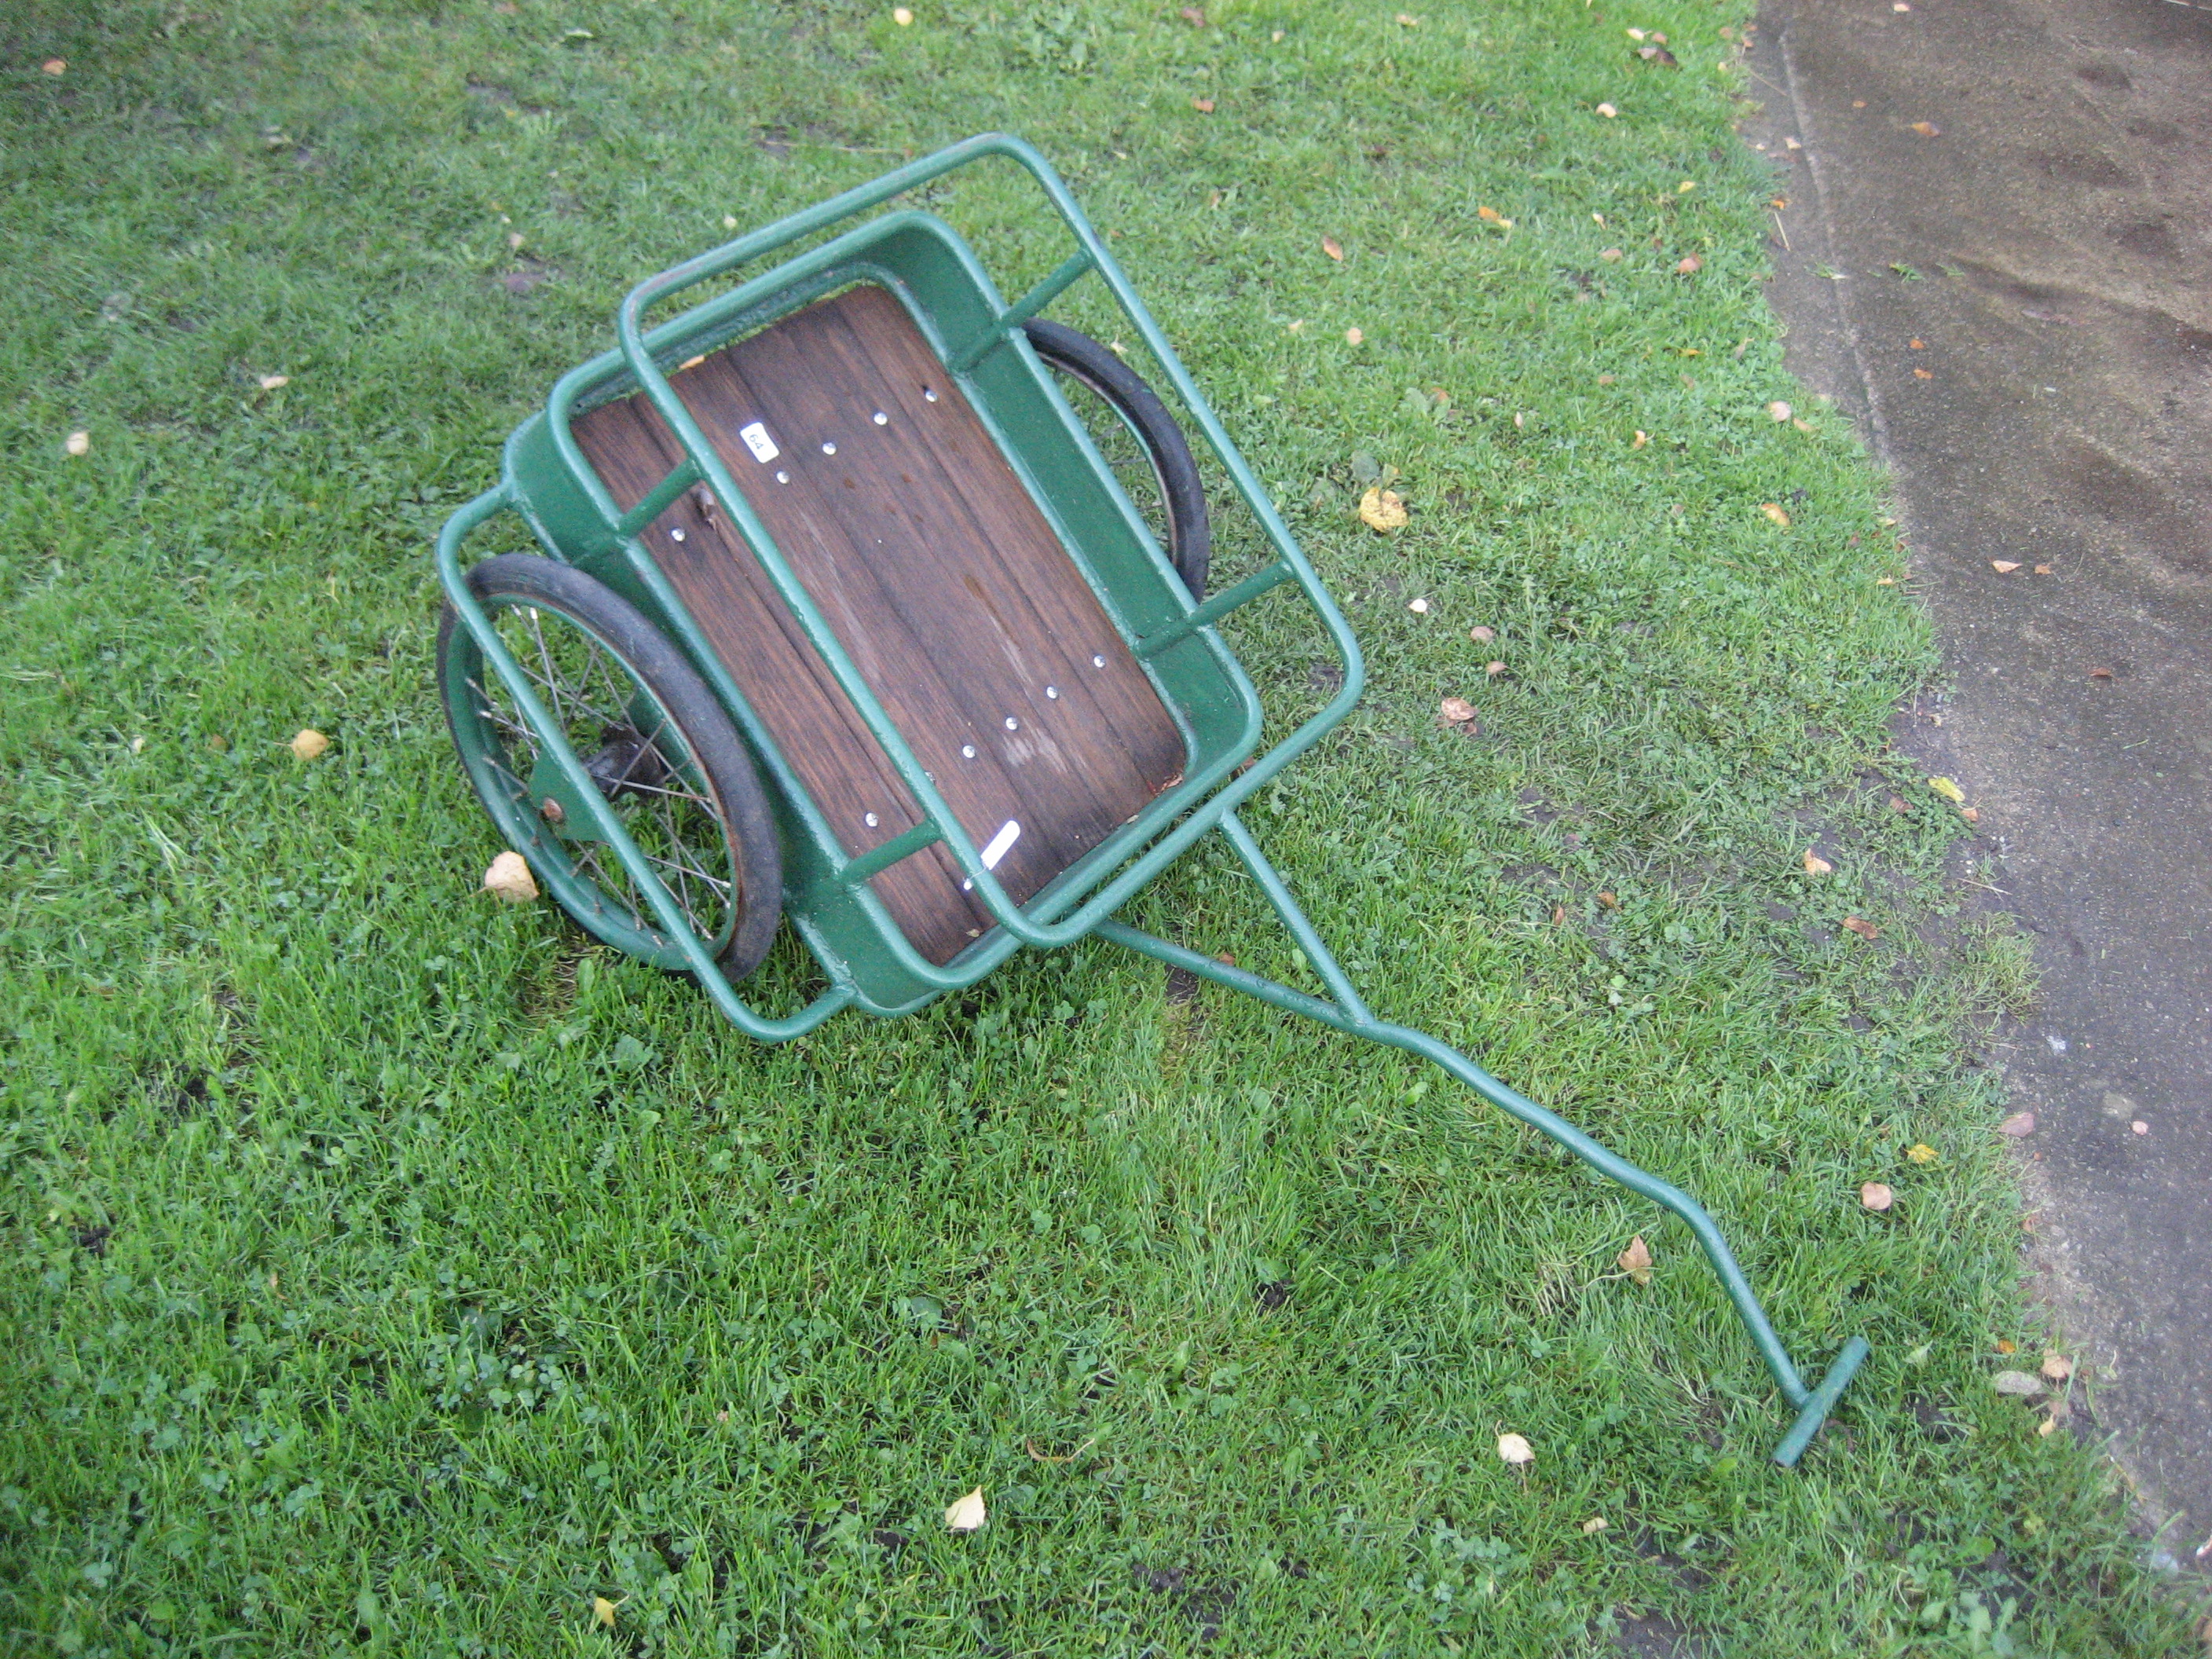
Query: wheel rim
(627,740)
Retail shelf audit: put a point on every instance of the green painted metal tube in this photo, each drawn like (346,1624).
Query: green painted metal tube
(1821,1401)
(1350,1016)
(1071,270)
(1228,599)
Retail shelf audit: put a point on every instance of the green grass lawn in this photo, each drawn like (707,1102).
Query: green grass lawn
(390,1270)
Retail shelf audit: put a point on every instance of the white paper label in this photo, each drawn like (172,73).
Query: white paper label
(757,440)
(1000,843)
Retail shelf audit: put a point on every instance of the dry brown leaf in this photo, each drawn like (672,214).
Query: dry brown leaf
(1608,902)
(1922,374)
(272,382)
(1778,410)
(510,878)
(1382,510)
(1194,17)
(2043,570)
(1636,1260)
(1493,669)
(309,744)
(1642,439)
(2004,566)
(2019,1383)
(1331,248)
(1875,1196)
(1594,1524)
(967,1514)
(1456,711)
(1918,345)
(55,66)
(2094,674)
(1408,20)
(1861,926)
(2057,1367)
(1516,1450)
(1773,510)
(1815,864)
(1921,1152)
(1928,129)
(1353,337)
(1489,215)
(1898,804)
(1558,915)
(77,443)
(1610,255)
(1203,105)
(1688,265)
(1482,635)
(2019,1124)
(1973,815)
(603,1612)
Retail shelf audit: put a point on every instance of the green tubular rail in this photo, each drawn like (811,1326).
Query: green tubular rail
(1343,1010)
(1347,1013)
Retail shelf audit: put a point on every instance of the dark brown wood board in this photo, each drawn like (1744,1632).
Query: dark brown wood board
(942,579)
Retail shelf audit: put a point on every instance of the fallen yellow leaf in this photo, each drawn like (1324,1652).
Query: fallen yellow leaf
(1815,864)
(509,878)
(1594,1524)
(1928,129)
(272,382)
(1489,215)
(309,744)
(2005,1345)
(1382,510)
(1516,1450)
(1608,112)
(1203,105)
(1948,790)
(1642,439)
(902,17)
(1921,1152)
(1331,248)
(2004,566)
(967,1514)
(603,1612)
(1774,511)
(1636,1260)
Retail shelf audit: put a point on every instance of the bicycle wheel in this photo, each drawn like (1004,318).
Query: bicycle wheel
(656,745)
(1139,439)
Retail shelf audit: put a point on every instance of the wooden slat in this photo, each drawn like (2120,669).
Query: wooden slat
(943,582)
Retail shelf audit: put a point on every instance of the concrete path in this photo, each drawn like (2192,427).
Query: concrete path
(1999,258)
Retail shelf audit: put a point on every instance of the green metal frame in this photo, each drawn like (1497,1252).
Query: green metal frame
(977,335)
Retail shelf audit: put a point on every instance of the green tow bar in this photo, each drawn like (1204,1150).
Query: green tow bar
(1346,1012)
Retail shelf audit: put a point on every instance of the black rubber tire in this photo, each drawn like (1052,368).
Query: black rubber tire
(725,768)
(1190,533)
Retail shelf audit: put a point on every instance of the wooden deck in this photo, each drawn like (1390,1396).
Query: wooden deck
(944,581)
